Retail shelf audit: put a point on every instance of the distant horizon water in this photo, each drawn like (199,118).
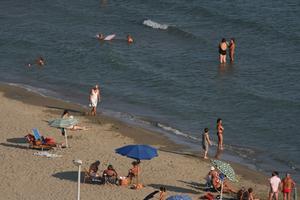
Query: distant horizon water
(169,78)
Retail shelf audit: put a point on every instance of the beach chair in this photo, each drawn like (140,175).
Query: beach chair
(87,176)
(36,141)
(36,134)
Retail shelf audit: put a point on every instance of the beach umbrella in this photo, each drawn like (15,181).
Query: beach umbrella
(179,197)
(63,124)
(225,168)
(226,171)
(138,152)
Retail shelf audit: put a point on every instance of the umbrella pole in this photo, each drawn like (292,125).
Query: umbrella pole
(137,176)
(221,196)
(66,138)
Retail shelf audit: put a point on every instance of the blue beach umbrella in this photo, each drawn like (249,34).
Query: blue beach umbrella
(138,152)
(179,197)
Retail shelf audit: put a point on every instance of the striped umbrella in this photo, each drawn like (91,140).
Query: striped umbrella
(225,168)
(63,123)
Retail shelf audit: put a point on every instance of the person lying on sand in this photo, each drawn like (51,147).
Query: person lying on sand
(66,115)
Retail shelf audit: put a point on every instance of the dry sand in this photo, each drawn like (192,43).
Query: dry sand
(26,176)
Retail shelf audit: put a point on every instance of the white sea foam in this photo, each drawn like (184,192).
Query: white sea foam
(176,132)
(154,24)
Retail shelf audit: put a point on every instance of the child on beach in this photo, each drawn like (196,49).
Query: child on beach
(205,142)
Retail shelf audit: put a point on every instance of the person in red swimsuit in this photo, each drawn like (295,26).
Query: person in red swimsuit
(287,184)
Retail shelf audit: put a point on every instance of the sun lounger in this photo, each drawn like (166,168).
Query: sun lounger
(36,141)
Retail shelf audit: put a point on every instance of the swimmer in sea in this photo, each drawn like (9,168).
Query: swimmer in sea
(39,61)
(100,36)
(222,51)
(129,39)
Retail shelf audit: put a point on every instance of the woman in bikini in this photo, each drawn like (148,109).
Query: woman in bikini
(220,130)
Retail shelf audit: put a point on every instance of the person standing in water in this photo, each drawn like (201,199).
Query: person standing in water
(94,99)
(220,130)
(222,51)
(205,142)
(231,49)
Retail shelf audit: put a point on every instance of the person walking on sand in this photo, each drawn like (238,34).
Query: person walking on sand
(231,49)
(222,51)
(94,99)
(205,142)
(287,184)
(220,130)
(274,182)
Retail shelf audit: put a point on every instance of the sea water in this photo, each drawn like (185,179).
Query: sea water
(169,78)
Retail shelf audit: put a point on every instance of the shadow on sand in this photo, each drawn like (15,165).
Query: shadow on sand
(69,175)
(14,145)
(195,185)
(20,140)
(174,188)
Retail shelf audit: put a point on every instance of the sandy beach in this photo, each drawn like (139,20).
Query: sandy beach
(27,176)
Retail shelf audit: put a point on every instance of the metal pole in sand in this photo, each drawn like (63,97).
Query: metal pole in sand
(66,137)
(78,163)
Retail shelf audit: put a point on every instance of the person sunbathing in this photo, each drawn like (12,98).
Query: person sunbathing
(226,187)
(209,177)
(66,115)
(93,170)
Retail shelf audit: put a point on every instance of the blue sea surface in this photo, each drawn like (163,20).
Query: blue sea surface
(169,77)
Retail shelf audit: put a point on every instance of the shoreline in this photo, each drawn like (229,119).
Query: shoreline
(137,134)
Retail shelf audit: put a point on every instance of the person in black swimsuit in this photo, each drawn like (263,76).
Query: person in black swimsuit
(222,50)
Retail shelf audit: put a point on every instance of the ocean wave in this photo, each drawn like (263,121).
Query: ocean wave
(155,25)
(40,91)
(176,132)
(170,29)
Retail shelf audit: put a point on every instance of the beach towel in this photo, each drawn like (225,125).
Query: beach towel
(46,154)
